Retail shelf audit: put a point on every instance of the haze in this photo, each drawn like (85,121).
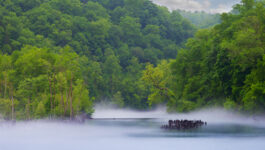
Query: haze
(210,6)
(131,134)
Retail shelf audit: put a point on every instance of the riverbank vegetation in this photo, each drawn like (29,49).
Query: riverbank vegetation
(222,66)
(58,57)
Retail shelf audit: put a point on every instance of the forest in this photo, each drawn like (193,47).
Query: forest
(61,57)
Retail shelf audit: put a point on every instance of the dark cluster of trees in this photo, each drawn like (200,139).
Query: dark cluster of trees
(221,66)
(58,56)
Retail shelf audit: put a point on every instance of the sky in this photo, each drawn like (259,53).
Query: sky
(210,6)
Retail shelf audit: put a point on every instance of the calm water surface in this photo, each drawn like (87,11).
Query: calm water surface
(129,134)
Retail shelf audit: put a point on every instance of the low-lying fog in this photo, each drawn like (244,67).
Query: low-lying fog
(213,115)
(117,129)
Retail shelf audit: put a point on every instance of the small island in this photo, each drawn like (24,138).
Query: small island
(183,124)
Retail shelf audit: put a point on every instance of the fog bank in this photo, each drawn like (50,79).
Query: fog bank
(135,134)
(211,115)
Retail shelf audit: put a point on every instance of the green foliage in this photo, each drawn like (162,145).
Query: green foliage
(224,65)
(82,102)
(185,106)
(5,105)
(58,56)
(43,82)
(40,111)
(230,104)
(254,88)
(118,99)
(158,80)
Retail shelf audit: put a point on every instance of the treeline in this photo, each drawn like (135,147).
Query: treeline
(223,66)
(58,56)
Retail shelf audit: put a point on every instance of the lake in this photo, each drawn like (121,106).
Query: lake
(131,130)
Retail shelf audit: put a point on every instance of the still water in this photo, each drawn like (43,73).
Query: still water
(135,131)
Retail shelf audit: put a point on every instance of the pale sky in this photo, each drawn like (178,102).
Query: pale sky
(211,6)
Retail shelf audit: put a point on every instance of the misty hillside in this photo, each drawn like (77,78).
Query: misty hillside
(201,19)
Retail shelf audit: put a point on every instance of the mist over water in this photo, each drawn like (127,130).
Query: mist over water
(120,129)
(211,115)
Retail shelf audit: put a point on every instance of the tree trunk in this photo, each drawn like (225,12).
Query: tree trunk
(5,88)
(28,109)
(111,85)
(13,108)
(62,103)
(71,98)
(12,99)
(54,93)
(50,87)
(67,102)
(1,94)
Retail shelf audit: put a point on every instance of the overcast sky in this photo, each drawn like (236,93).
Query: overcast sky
(211,6)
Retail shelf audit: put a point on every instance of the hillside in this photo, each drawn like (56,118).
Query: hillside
(221,66)
(59,56)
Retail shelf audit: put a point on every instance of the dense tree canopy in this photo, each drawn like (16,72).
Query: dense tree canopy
(60,56)
(40,83)
(222,66)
